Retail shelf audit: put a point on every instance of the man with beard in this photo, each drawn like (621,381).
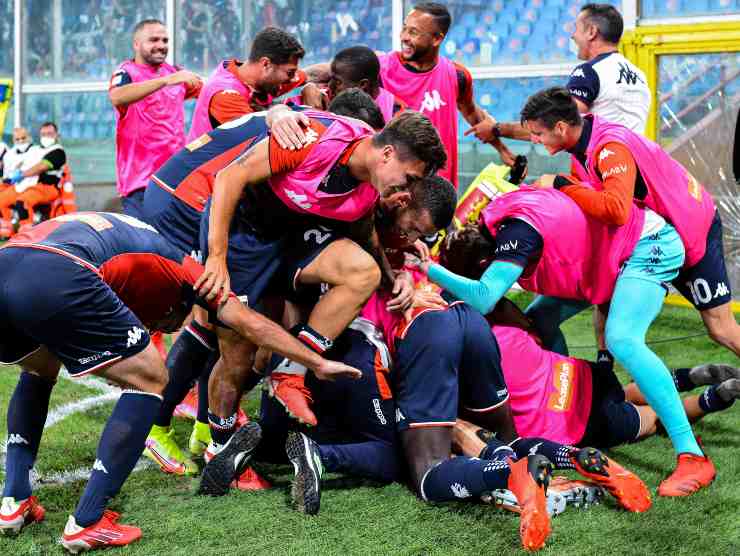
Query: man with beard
(433,84)
(148,94)
(236,88)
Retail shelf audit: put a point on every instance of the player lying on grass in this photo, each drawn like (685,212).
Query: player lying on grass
(82,290)
(542,239)
(446,363)
(567,399)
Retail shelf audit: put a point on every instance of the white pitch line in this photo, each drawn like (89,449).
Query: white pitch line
(109,393)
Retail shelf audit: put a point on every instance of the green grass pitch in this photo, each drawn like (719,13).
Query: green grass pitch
(360,517)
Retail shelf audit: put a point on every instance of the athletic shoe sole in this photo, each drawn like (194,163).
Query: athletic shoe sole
(712,373)
(226,465)
(306,486)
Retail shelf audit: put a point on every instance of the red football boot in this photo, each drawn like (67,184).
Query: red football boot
(16,515)
(102,534)
(629,490)
(290,390)
(528,481)
(691,474)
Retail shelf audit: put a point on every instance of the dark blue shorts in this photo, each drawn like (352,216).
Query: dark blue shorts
(133,204)
(49,299)
(613,420)
(256,263)
(706,284)
(175,220)
(348,411)
(445,358)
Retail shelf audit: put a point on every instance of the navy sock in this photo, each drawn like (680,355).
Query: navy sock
(372,459)
(26,417)
(558,454)
(203,379)
(710,401)
(221,428)
(121,444)
(682,380)
(463,477)
(312,339)
(185,362)
(496,450)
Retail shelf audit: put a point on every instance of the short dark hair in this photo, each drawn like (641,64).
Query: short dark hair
(50,124)
(356,103)
(607,19)
(551,106)
(412,134)
(360,62)
(463,249)
(439,12)
(144,22)
(438,196)
(279,46)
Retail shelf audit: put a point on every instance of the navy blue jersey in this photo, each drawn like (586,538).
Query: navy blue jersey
(189,174)
(148,274)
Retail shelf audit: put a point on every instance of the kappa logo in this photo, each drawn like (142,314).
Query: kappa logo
(605,153)
(399,416)
(578,73)
(459,490)
(98,466)
(16,439)
(722,289)
(298,199)
(432,101)
(311,136)
(134,336)
(625,73)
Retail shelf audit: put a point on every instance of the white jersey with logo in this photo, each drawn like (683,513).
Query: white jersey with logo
(614,89)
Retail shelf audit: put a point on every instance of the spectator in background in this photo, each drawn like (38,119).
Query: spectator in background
(48,170)
(22,154)
(148,94)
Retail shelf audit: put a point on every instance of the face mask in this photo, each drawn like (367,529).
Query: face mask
(47,141)
(21,147)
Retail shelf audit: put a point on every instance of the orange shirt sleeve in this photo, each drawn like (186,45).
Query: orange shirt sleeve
(284,160)
(228,105)
(618,172)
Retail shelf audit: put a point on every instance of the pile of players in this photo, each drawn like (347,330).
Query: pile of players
(311,215)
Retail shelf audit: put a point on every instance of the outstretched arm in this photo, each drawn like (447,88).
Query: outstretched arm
(267,334)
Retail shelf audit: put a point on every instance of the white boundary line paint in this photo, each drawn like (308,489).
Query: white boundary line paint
(109,393)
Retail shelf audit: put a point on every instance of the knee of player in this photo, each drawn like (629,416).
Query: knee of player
(621,343)
(724,331)
(362,273)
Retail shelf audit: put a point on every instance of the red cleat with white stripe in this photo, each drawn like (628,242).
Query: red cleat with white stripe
(102,534)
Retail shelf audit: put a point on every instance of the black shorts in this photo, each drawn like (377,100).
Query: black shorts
(706,284)
(446,358)
(51,300)
(613,420)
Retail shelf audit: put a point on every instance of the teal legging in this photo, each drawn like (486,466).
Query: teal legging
(635,304)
